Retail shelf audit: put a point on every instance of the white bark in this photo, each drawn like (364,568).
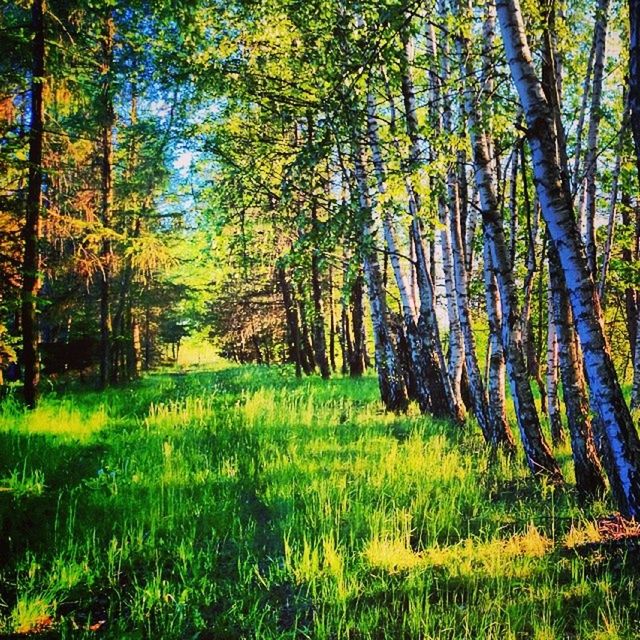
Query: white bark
(635,391)
(613,198)
(586,91)
(553,399)
(493,434)
(591,158)
(390,376)
(456,340)
(427,316)
(556,202)
(496,374)
(416,354)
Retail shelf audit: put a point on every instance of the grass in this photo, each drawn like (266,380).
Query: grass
(243,503)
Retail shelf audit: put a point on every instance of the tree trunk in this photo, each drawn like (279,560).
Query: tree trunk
(319,334)
(591,158)
(357,364)
(496,373)
(538,454)
(332,324)
(108,118)
(390,379)
(557,209)
(147,338)
(513,205)
(470,229)
(495,432)
(528,338)
(346,344)
(456,340)
(346,347)
(585,459)
(630,254)
(634,76)
(135,359)
(586,92)
(613,198)
(420,375)
(31,230)
(442,392)
(553,398)
(307,353)
(443,400)
(293,330)
(635,390)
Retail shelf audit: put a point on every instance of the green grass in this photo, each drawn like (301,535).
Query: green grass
(243,503)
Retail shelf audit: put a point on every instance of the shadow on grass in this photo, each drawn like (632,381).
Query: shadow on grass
(28,521)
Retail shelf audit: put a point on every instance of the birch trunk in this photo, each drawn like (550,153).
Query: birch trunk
(469,237)
(553,398)
(425,373)
(346,348)
(586,91)
(492,432)
(557,209)
(634,76)
(456,340)
(31,230)
(496,368)
(308,356)
(528,338)
(332,324)
(293,330)
(591,158)
(585,459)
(513,207)
(319,334)
(443,397)
(635,391)
(537,452)
(424,275)
(319,337)
(390,378)
(631,221)
(613,198)
(357,364)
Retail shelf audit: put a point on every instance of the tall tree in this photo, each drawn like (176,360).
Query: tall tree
(557,210)
(31,231)
(106,172)
(537,451)
(591,158)
(390,378)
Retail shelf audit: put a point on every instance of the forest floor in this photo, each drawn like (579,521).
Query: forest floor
(239,502)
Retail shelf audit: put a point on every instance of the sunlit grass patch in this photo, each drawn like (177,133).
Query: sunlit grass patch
(61,418)
(392,556)
(496,557)
(32,615)
(177,414)
(582,534)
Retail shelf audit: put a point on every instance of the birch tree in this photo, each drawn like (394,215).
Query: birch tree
(557,210)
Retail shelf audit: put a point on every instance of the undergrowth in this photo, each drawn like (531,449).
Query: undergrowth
(243,503)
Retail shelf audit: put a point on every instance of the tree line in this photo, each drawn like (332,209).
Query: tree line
(445,191)
(87,130)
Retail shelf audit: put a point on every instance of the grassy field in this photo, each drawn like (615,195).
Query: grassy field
(242,503)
